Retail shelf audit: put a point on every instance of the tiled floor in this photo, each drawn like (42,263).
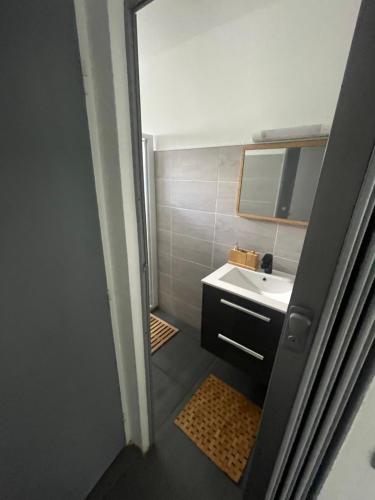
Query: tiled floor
(175,468)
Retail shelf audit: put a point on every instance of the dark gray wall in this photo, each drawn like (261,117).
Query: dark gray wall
(60,412)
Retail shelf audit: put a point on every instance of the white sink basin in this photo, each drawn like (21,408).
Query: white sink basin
(272,290)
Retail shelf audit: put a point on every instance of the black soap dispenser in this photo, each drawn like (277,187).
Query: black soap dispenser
(266,263)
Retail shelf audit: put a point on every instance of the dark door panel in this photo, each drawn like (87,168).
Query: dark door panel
(60,410)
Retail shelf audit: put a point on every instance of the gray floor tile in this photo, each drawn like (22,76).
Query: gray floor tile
(181,325)
(239,380)
(166,395)
(147,480)
(189,470)
(174,468)
(183,359)
(127,458)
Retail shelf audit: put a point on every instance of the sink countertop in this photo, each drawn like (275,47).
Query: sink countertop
(271,290)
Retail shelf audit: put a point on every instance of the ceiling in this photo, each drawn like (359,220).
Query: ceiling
(163,24)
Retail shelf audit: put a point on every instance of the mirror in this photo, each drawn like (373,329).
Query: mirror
(278,181)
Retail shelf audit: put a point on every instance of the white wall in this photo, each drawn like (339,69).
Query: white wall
(209,80)
(352,475)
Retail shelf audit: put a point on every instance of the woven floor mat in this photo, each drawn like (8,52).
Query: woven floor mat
(222,423)
(161,332)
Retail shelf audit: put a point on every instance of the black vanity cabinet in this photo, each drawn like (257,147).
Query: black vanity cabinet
(242,332)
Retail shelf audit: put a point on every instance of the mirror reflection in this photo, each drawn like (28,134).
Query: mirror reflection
(280,183)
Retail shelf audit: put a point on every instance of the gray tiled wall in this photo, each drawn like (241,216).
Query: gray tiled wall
(197,225)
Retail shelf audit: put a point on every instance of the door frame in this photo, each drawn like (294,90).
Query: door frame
(150,213)
(357,143)
(101,39)
(330,221)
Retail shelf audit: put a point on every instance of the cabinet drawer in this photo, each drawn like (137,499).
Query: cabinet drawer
(260,369)
(245,322)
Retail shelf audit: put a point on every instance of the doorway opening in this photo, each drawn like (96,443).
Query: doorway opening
(237,258)
(208,84)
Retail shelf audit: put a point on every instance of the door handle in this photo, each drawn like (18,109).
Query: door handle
(245,310)
(298,328)
(241,347)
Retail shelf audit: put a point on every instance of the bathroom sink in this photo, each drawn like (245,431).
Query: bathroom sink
(273,290)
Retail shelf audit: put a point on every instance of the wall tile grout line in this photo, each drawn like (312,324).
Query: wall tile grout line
(215,217)
(274,243)
(176,179)
(212,267)
(171,245)
(192,262)
(173,207)
(284,258)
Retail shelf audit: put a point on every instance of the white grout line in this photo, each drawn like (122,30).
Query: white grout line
(274,243)
(176,179)
(185,209)
(171,244)
(189,147)
(192,237)
(164,205)
(169,216)
(288,260)
(215,219)
(192,262)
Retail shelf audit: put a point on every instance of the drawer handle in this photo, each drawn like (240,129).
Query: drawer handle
(247,311)
(241,347)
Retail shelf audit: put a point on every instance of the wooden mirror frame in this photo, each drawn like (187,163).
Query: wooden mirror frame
(322,141)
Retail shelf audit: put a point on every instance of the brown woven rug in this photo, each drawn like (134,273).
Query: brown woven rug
(222,423)
(161,332)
